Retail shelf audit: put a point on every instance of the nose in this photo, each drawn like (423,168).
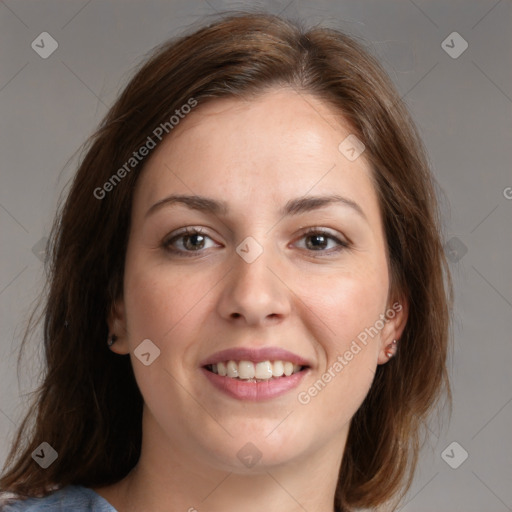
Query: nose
(254,294)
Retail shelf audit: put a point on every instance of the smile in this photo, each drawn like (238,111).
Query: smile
(254,372)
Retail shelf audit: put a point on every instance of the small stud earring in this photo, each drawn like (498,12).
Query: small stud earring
(391,349)
(112,339)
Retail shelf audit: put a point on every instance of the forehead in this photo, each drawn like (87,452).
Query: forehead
(280,145)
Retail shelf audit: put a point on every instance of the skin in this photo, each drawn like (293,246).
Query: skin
(255,155)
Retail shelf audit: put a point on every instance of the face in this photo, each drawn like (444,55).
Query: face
(249,262)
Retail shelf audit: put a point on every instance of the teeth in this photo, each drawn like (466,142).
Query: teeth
(263,370)
(288,368)
(277,369)
(232,368)
(221,369)
(247,370)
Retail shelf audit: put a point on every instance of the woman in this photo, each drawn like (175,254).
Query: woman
(248,301)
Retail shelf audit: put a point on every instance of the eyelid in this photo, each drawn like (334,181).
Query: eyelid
(327,231)
(342,241)
(187,230)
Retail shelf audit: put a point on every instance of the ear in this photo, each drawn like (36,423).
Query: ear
(117,325)
(396,314)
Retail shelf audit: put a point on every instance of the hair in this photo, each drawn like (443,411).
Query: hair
(89,407)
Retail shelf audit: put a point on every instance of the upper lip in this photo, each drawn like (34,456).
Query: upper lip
(255,355)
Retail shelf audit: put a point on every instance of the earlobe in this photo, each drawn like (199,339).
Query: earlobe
(390,339)
(111,340)
(391,349)
(117,338)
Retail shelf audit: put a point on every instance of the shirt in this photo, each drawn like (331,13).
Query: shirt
(74,498)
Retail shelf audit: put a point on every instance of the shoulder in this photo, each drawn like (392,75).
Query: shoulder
(71,497)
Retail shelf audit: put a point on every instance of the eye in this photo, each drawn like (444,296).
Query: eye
(191,241)
(320,240)
(188,240)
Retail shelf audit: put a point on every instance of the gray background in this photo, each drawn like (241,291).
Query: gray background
(462,106)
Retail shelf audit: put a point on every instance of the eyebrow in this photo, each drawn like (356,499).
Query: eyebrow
(292,207)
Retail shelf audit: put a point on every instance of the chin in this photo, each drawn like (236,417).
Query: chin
(254,449)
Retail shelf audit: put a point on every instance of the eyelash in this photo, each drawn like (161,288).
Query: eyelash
(167,243)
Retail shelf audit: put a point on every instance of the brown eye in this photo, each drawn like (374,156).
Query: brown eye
(322,242)
(187,241)
(316,242)
(193,242)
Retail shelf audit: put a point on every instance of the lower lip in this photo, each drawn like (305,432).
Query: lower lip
(255,391)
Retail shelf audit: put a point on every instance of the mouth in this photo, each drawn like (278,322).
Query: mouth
(250,371)
(255,374)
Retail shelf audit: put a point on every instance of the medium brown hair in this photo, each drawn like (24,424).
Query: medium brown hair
(89,407)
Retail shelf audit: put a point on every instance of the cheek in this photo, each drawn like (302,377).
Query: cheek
(348,304)
(159,298)
(167,306)
(349,344)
